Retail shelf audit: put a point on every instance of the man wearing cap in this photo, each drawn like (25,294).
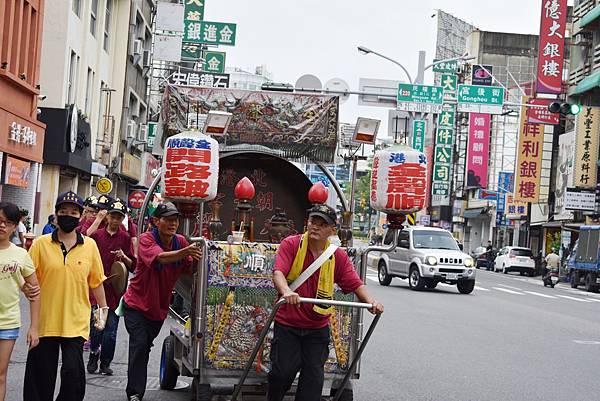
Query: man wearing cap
(68,266)
(163,255)
(115,245)
(99,219)
(301,332)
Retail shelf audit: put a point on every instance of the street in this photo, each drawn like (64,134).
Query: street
(508,340)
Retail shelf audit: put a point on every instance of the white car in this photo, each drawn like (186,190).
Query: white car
(425,256)
(512,258)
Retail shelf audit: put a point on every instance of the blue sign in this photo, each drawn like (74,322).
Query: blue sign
(506,182)
(316,178)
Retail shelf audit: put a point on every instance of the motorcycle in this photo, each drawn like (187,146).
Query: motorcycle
(551,278)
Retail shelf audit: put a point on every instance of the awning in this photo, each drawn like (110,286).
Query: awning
(588,83)
(473,213)
(590,17)
(553,224)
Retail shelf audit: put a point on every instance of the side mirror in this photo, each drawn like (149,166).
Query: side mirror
(404,243)
(460,246)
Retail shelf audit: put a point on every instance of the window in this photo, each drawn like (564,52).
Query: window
(72,77)
(404,239)
(425,239)
(107,24)
(76,6)
(94,17)
(89,91)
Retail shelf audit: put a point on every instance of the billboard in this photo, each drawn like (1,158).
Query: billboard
(529,160)
(551,49)
(587,125)
(564,174)
(478,150)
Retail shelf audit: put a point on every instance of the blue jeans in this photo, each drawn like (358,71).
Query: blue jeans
(106,338)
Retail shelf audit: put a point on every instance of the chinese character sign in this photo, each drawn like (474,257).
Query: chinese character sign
(586,150)
(419,129)
(541,115)
(191,167)
(194,10)
(399,180)
(529,160)
(215,33)
(478,150)
(551,46)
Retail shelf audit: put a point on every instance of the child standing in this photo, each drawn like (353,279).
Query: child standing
(15,266)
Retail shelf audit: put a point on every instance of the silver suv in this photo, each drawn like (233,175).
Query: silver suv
(425,256)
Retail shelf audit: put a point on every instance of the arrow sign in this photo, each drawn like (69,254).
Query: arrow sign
(485,194)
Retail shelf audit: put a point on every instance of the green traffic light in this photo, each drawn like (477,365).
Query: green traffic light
(575,109)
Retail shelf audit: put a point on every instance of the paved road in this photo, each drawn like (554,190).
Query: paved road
(502,342)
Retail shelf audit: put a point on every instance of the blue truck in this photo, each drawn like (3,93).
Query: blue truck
(584,261)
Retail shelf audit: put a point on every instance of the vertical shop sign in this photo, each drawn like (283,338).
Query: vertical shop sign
(478,150)
(586,150)
(529,160)
(551,46)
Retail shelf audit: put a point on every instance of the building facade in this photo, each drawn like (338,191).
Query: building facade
(22,135)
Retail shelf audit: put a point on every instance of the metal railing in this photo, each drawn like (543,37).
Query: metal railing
(263,334)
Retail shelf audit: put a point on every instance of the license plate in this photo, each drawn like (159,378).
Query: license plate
(524,260)
(451,276)
(554,279)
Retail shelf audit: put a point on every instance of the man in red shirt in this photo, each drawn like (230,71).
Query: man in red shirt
(114,245)
(163,256)
(301,332)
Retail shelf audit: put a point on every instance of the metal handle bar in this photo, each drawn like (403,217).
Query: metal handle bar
(265,330)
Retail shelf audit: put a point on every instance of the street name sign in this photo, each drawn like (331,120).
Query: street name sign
(480,99)
(446,66)
(420,98)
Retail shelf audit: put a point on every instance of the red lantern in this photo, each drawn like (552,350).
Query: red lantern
(398,180)
(244,189)
(318,193)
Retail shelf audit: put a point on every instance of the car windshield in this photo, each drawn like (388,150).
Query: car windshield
(434,240)
(521,252)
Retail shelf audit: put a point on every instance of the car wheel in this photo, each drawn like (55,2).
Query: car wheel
(521,273)
(384,278)
(574,278)
(431,283)
(590,283)
(415,280)
(504,269)
(465,286)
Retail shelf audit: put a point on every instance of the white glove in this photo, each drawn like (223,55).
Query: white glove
(100,316)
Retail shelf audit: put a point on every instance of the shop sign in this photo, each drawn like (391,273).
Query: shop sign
(136,198)
(131,166)
(541,115)
(419,129)
(22,134)
(17,172)
(200,79)
(580,199)
(514,209)
(529,161)
(479,75)
(104,185)
(552,46)
(478,150)
(150,163)
(587,126)
(214,33)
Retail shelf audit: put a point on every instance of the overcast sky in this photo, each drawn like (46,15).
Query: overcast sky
(294,37)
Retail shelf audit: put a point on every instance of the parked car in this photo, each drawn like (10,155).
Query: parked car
(480,256)
(425,256)
(511,258)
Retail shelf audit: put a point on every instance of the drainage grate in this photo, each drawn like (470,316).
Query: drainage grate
(120,382)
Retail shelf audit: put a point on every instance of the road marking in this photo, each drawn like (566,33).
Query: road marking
(480,288)
(586,342)
(540,295)
(372,278)
(573,298)
(507,290)
(595,300)
(512,288)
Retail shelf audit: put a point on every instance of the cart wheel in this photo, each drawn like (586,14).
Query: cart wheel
(201,391)
(347,394)
(168,369)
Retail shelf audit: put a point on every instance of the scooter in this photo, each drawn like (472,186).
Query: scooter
(551,278)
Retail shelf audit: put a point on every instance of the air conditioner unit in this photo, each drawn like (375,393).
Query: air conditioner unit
(138,47)
(142,134)
(582,39)
(131,129)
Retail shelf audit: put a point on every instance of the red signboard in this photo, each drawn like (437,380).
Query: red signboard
(16,172)
(541,115)
(136,199)
(551,46)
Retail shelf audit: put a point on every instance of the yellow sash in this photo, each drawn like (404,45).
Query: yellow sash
(326,275)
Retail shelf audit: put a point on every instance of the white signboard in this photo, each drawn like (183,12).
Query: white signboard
(383,92)
(478,108)
(169,16)
(420,107)
(576,199)
(167,48)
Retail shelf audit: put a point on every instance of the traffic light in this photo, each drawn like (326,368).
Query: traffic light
(564,108)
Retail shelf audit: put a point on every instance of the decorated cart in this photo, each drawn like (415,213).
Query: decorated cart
(239,195)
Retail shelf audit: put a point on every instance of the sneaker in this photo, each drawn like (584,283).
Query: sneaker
(135,397)
(105,369)
(92,365)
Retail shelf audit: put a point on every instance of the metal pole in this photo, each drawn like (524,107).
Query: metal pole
(353,187)
(335,184)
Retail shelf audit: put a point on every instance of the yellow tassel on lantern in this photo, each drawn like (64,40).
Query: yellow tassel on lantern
(214,346)
(340,352)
